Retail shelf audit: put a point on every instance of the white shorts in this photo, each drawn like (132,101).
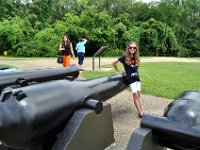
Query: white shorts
(136,86)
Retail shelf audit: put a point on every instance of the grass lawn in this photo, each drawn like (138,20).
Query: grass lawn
(162,79)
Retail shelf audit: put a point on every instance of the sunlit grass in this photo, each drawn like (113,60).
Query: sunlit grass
(163,79)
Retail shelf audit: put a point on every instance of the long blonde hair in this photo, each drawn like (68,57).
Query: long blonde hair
(136,55)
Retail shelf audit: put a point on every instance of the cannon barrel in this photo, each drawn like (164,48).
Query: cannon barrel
(22,78)
(180,124)
(31,114)
(165,128)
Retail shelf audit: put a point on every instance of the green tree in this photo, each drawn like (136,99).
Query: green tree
(131,35)
(6,9)
(99,28)
(156,35)
(140,12)
(12,33)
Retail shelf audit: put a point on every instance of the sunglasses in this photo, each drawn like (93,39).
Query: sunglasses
(130,47)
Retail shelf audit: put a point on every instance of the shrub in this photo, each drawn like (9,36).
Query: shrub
(113,52)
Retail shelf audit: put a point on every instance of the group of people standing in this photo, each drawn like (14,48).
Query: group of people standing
(130,60)
(67,51)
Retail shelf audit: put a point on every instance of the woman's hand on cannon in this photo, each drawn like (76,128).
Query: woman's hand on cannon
(121,73)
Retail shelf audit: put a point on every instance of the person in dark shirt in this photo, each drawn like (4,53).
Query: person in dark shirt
(66,50)
(131,61)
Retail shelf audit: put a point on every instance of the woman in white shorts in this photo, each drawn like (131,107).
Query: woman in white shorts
(131,61)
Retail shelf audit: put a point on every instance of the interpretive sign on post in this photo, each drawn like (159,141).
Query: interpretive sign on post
(98,54)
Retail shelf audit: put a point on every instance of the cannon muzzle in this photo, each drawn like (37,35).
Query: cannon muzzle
(23,78)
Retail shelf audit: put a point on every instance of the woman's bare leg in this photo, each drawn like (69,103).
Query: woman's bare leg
(140,104)
(136,98)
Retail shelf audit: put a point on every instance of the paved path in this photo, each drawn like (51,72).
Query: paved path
(125,119)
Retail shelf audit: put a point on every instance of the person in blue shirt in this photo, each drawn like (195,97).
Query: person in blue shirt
(80,47)
(131,61)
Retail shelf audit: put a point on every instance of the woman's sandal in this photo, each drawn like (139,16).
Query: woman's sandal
(140,116)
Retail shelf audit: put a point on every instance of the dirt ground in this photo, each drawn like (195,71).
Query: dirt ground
(125,119)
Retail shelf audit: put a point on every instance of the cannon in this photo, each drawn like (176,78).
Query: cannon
(3,67)
(24,78)
(32,114)
(178,128)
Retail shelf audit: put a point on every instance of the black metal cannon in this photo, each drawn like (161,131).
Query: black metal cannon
(24,78)
(179,128)
(32,114)
(3,67)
